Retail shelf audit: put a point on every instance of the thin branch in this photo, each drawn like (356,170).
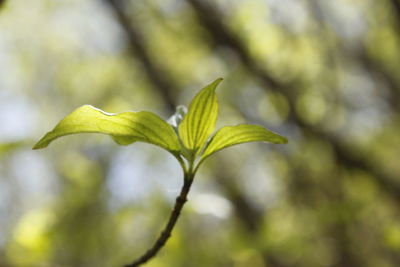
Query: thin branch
(166,233)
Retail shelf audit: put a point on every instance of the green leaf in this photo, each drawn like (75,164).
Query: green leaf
(201,118)
(125,128)
(243,133)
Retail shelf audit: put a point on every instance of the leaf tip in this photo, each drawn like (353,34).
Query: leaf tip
(279,139)
(217,82)
(40,145)
(43,143)
(37,146)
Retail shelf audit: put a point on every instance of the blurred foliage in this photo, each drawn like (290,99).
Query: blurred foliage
(322,73)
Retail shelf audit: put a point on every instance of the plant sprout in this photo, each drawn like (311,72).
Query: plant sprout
(188,136)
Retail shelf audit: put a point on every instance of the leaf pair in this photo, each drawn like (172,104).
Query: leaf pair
(189,141)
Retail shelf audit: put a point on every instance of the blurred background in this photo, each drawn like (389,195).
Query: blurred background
(323,73)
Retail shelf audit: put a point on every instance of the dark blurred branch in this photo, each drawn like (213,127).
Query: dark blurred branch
(359,54)
(157,76)
(212,21)
(376,70)
(373,68)
(250,215)
(396,9)
(166,233)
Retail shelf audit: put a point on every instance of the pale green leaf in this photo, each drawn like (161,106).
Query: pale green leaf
(201,118)
(243,133)
(125,128)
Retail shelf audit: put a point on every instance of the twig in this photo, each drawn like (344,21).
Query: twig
(166,233)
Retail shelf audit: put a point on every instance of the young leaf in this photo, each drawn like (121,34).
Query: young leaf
(243,133)
(200,121)
(125,128)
